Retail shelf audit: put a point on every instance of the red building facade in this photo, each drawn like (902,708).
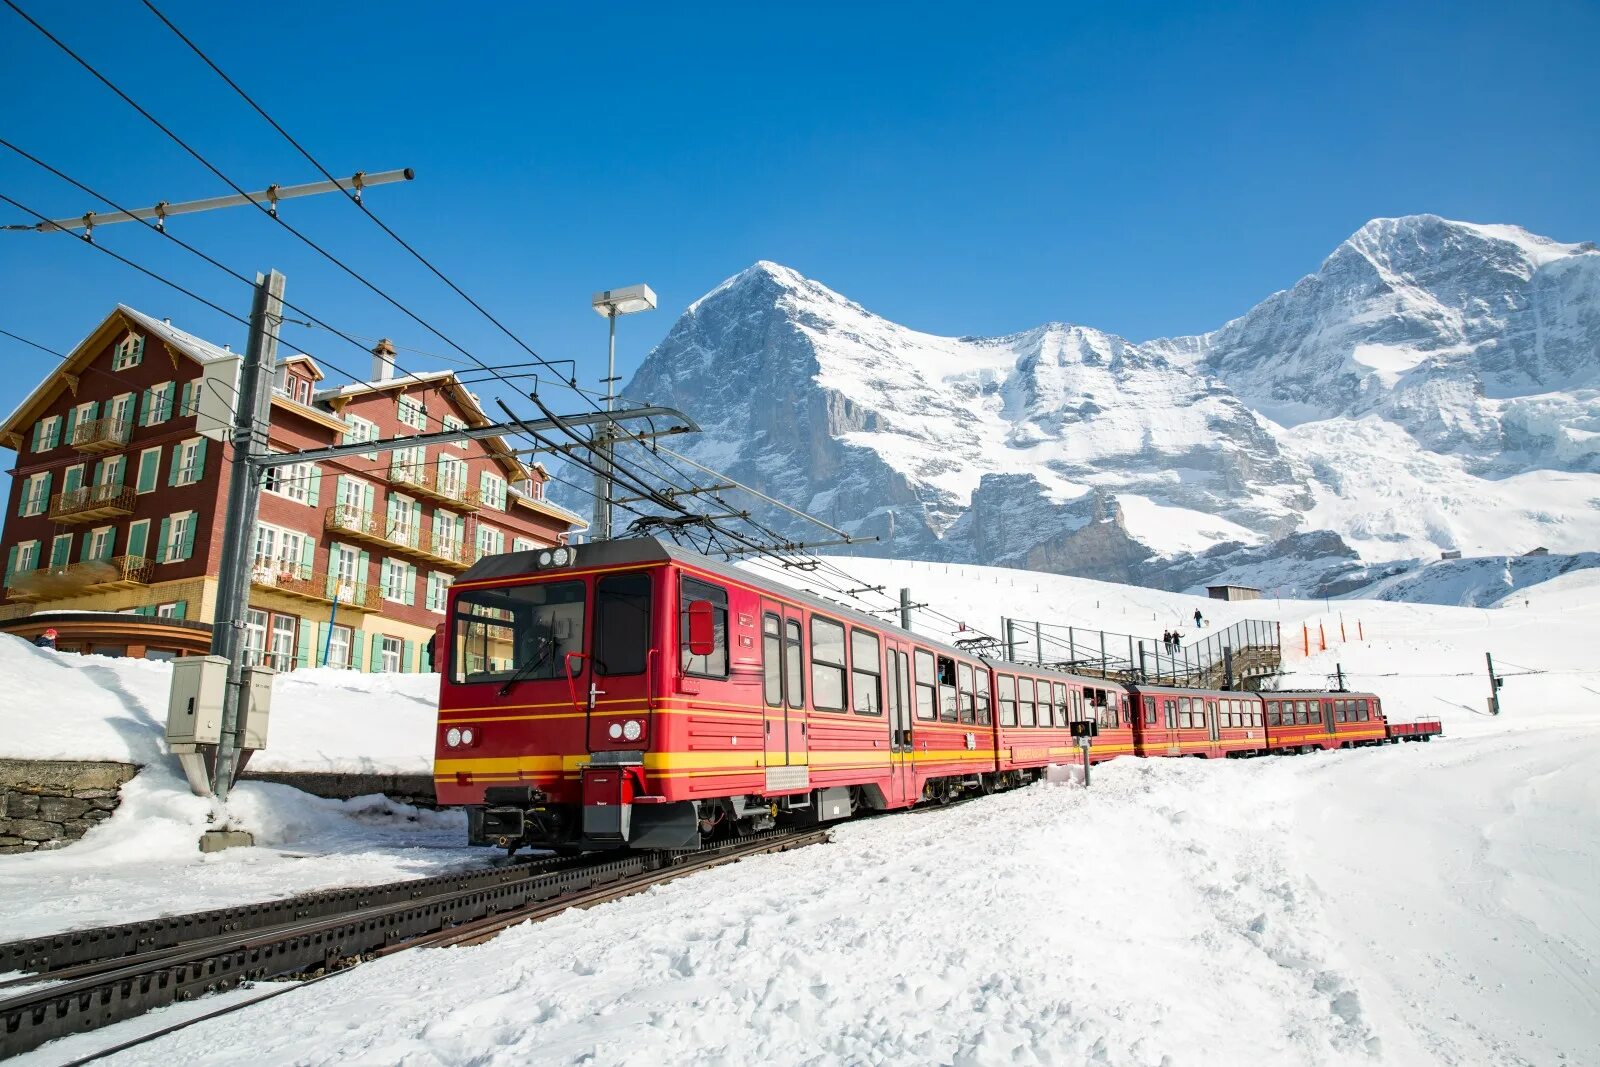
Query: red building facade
(116,501)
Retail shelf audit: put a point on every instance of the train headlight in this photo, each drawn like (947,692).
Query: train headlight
(633,729)
(466,736)
(453,738)
(615,731)
(544,559)
(562,556)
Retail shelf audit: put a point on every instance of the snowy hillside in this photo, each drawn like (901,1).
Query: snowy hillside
(1434,385)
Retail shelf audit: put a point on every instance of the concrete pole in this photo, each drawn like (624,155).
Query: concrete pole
(252,414)
(601,530)
(905,608)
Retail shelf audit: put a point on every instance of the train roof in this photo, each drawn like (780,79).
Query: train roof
(630,551)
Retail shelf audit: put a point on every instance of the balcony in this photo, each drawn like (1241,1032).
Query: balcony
(92,502)
(401,539)
(100,435)
(73,579)
(424,481)
(306,583)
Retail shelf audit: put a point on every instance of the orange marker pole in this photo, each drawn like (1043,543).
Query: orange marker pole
(1322,636)
(1305,633)
(1342,637)
(1360,633)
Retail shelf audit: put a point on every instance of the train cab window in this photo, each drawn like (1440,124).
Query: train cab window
(772,659)
(983,697)
(827,664)
(713,664)
(947,689)
(794,671)
(1149,711)
(927,687)
(1171,708)
(866,681)
(966,707)
(1025,706)
(622,623)
(517,633)
(1008,699)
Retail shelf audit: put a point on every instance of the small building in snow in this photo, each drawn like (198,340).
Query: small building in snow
(1232,592)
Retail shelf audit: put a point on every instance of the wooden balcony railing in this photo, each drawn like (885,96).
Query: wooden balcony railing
(308,583)
(100,435)
(70,579)
(424,480)
(402,539)
(92,502)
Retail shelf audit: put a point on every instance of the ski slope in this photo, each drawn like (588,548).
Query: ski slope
(1416,904)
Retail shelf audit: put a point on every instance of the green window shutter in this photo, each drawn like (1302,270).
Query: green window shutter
(143,416)
(145,609)
(60,550)
(389,509)
(71,425)
(11,563)
(122,473)
(302,655)
(366,499)
(314,486)
(411,586)
(160,554)
(99,471)
(339,497)
(22,497)
(186,399)
(376,658)
(88,545)
(187,549)
(308,554)
(363,568)
(138,539)
(416,523)
(200,460)
(408,654)
(149,470)
(319,654)
(165,411)
(180,609)
(358,650)
(38,435)
(138,351)
(111,545)
(172,469)
(332,587)
(483,486)
(49,476)
(73,479)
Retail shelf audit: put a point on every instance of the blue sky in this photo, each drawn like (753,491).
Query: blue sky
(1145,168)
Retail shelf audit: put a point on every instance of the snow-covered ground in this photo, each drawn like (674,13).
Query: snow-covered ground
(1416,904)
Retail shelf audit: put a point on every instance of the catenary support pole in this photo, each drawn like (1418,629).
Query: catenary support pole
(602,437)
(905,608)
(251,417)
(1494,685)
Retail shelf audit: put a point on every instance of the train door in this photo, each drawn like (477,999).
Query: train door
(1213,727)
(782,636)
(1327,718)
(903,787)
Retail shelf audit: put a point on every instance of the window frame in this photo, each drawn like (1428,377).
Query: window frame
(718,596)
(818,663)
(1006,685)
(644,633)
(918,685)
(772,658)
(874,675)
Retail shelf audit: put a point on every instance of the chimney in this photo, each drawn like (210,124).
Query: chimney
(383,360)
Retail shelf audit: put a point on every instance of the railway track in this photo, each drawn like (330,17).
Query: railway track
(86,980)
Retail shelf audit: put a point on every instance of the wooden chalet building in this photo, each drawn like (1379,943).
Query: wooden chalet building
(116,504)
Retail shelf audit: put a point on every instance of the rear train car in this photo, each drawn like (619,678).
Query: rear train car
(1170,721)
(1302,721)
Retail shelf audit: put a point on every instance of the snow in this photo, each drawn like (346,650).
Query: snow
(1390,361)
(1417,904)
(1167,530)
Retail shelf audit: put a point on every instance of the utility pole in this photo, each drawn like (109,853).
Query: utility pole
(1495,682)
(610,304)
(905,608)
(251,417)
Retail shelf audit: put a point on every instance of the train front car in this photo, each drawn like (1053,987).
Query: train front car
(548,729)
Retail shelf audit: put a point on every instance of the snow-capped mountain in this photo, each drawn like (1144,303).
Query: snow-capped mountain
(1434,385)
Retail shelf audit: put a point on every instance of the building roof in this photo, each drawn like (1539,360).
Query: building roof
(399,381)
(198,349)
(544,504)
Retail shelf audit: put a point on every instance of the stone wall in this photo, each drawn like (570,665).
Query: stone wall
(50,803)
(413,789)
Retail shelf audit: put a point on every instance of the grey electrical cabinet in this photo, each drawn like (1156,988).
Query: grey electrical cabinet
(194,705)
(257,706)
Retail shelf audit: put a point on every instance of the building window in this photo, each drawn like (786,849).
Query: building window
(359,430)
(492,488)
(302,390)
(438,591)
(292,480)
(21,559)
(178,542)
(255,637)
(411,412)
(522,544)
(281,655)
(390,651)
(399,582)
(174,610)
(35,494)
(408,464)
(100,542)
(157,404)
(338,648)
(450,422)
(47,433)
(491,542)
(452,477)
(110,471)
(279,553)
(128,353)
(188,461)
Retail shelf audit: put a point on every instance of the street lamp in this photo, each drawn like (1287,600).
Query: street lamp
(610,304)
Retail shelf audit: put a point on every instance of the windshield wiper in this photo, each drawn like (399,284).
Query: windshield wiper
(527,669)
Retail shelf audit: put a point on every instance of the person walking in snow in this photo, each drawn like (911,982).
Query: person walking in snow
(1198,620)
(46,640)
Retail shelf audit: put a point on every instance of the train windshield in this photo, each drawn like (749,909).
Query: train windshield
(516,633)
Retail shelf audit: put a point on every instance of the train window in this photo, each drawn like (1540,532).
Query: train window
(1025,706)
(1364,708)
(1171,708)
(1108,708)
(866,682)
(927,683)
(1077,706)
(964,696)
(1272,713)
(1008,699)
(827,664)
(903,686)
(772,659)
(1185,714)
(713,664)
(1149,711)
(794,671)
(621,623)
(983,696)
(517,633)
(947,689)
(1061,704)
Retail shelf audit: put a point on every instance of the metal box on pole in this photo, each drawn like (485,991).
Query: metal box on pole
(194,704)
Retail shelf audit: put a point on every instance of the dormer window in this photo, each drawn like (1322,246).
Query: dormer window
(128,353)
(302,390)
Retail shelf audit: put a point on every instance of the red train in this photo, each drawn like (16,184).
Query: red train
(632,693)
